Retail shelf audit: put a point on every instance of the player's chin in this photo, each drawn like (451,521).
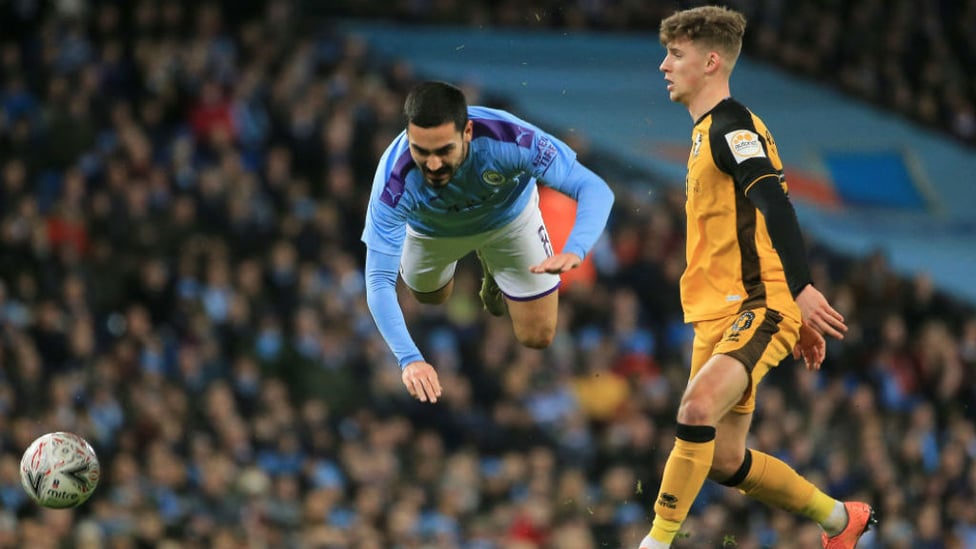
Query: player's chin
(438,180)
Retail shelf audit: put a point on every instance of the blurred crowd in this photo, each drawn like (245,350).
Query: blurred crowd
(182,187)
(911,58)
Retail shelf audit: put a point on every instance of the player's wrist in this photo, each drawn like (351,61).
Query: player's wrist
(578,252)
(797,288)
(410,360)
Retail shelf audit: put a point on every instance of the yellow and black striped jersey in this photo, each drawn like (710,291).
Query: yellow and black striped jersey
(732,265)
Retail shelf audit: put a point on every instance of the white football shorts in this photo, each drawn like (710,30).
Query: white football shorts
(428,262)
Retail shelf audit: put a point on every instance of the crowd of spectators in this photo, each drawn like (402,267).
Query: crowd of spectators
(912,58)
(182,188)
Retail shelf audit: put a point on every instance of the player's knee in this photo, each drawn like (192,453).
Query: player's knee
(695,410)
(537,338)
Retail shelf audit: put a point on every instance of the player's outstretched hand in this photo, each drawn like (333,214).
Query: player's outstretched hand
(559,263)
(812,347)
(421,381)
(818,314)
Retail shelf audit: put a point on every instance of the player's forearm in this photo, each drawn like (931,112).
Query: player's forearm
(381,298)
(784,231)
(391,325)
(594,200)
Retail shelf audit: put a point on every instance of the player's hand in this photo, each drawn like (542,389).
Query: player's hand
(559,263)
(421,381)
(811,347)
(818,314)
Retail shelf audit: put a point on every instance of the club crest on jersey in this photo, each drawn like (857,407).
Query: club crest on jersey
(744,322)
(492,178)
(744,145)
(697,146)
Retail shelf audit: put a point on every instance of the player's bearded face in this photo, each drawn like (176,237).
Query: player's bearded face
(439,151)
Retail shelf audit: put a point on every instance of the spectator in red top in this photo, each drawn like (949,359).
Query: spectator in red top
(211,117)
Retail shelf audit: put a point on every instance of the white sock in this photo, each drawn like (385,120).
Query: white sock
(836,521)
(650,543)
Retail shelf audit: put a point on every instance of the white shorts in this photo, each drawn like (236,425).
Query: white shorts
(428,262)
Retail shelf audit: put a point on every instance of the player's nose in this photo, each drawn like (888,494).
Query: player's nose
(434,163)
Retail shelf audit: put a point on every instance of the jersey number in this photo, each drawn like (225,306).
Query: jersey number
(546,243)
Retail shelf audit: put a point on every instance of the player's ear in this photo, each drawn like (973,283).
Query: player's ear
(468,132)
(712,62)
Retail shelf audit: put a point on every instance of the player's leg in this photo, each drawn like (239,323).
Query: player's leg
(773,482)
(532,299)
(710,394)
(491,295)
(427,265)
(761,476)
(762,340)
(716,384)
(731,435)
(534,320)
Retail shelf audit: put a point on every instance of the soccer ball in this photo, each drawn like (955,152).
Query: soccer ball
(59,470)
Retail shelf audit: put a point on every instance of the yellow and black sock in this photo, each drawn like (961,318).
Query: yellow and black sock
(773,482)
(684,474)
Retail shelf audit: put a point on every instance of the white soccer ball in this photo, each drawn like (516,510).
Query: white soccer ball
(59,470)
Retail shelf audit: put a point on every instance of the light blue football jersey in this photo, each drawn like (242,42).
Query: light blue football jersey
(490,188)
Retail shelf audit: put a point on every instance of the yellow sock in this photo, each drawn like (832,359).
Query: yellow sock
(819,507)
(684,474)
(775,483)
(664,530)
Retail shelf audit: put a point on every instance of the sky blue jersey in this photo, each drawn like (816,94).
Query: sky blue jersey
(491,187)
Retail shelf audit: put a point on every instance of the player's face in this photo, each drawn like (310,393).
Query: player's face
(684,70)
(439,151)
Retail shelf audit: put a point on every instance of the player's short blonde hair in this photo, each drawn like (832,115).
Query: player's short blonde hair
(713,27)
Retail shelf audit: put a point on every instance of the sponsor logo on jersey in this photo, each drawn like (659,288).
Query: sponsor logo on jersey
(744,145)
(545,155)
(697,145)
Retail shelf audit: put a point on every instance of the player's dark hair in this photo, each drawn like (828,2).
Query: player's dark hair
(431,104)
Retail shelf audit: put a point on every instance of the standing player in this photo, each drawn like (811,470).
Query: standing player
(746,289)
(462,179)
